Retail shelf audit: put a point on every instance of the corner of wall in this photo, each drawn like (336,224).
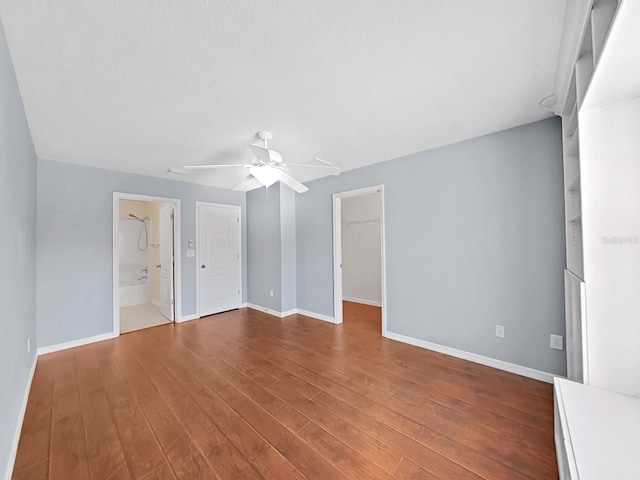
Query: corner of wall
(17,257)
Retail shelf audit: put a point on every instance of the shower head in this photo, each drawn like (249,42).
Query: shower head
(138,218)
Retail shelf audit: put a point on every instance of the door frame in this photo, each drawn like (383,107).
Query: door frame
(197,237)
(337,251)
(177,260)
(172,269)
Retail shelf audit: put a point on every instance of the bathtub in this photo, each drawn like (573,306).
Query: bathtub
(135,292)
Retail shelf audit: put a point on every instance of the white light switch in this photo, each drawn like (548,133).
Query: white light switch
(556,342)
(191,253)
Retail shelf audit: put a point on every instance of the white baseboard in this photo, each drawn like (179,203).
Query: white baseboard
(74,343)
(260,308)
(363,301)
(306,313)
(195,316)
(186,318)
(317,316)
(23,408)
(156,302)
(473,357)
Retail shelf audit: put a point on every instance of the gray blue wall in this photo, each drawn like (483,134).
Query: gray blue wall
(271,234)
(474,238)
(264,247)
(17,254)
(74,244)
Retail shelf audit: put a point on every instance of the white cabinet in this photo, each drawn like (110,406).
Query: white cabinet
(611,227)
(609,122)
(597,432)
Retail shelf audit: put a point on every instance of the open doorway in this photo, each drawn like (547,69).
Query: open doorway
(359,287)
(145,279)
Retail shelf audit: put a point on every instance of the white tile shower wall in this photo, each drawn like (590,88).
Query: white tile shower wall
(132,259)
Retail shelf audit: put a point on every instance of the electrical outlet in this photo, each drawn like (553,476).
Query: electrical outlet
(271,293)
(29,345)
(556,342)
(500,331)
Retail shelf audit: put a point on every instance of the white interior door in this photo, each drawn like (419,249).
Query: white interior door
(166,262)
(219,267)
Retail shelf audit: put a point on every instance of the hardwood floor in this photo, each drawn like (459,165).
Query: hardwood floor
(246,395)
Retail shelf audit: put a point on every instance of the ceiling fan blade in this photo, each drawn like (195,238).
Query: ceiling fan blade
(323,161)
(292,183)
(329,169)
(204,167)
(249,183)
(261,152)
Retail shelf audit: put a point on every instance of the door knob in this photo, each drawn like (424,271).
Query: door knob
(202,266)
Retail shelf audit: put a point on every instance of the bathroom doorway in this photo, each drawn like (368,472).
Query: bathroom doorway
(145,231)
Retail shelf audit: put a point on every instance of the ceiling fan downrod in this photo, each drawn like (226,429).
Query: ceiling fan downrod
(265,136)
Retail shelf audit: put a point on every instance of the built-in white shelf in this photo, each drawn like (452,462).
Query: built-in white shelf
(584,72)
(601,18)
(572,144)
(572,123)
(589,32)
(574,185)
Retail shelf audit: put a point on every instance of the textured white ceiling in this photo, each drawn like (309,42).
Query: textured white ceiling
(142,85)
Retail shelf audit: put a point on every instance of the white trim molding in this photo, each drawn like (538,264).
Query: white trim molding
(317,316)
(363,301)
(75,343)
(262,309)
(11,461)
(275,313)
(473,357)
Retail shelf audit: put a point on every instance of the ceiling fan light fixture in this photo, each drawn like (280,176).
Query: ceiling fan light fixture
(269,168)
(275,157)
(265,174)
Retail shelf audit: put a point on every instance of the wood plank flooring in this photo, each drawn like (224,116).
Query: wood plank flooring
(246,395)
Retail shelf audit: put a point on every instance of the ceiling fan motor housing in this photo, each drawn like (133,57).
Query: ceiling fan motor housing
(265,135)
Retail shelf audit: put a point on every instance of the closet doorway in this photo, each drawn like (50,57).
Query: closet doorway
(359,260)
(146,279)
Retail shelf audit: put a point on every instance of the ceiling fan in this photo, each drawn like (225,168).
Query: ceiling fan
(269,168)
